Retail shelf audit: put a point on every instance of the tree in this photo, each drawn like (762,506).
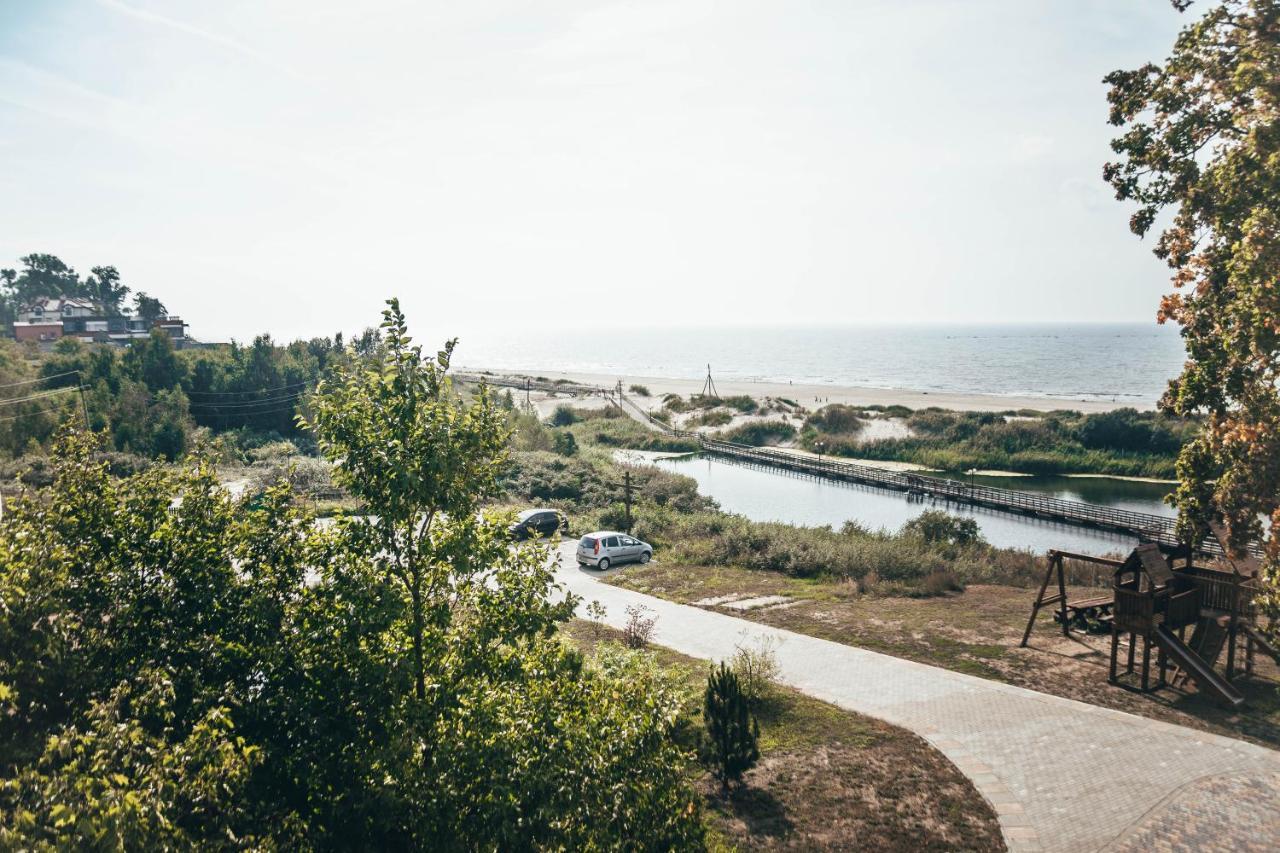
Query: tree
(421,461)
(104,288)
(1201,142)
(148,308)
(732,733)
(42,276)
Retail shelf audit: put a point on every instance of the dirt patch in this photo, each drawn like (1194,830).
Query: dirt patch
(976,632)
(829,779)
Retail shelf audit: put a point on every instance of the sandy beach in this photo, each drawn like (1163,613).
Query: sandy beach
(812,396)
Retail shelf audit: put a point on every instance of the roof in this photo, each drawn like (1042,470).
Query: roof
(48,303)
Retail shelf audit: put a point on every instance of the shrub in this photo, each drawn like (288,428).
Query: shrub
(940,583)
(638,630)
(565,444)
(759,433)
(837,419)
(937,527)
(741,402)
(756,667)
(712,418)
(563,416)
(639,390)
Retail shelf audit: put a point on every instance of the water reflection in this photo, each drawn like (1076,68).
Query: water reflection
(776,495)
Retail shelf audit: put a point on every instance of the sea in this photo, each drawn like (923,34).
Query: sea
(1128,364)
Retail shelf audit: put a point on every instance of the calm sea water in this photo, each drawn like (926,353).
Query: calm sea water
(775,495)
(1126,363)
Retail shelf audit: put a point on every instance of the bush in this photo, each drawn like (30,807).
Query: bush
(712,418)
(564,415)
(836,419)
(937,527)
(759,433)
(941,583)
(639,390)
(638,630)
(741,402)
(565,444)
(756,667)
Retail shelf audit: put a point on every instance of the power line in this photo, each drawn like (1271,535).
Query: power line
(30,414)
(242,393)
(248,405)
(40,396)
(245,414)
(41,379)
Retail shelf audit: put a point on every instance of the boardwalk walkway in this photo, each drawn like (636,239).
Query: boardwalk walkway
(1146,526)
(1061,775)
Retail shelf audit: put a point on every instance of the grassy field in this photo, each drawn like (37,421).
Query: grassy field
(976,631)
(829,778)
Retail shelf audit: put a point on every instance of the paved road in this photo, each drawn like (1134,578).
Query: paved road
(1061,775)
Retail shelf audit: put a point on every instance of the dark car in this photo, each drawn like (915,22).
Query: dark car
(533,523)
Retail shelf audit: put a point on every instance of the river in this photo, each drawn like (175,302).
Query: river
(777,495)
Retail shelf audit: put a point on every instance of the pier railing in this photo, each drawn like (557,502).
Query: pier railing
(1147,526)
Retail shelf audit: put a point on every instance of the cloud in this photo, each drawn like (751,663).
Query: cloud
(199,33)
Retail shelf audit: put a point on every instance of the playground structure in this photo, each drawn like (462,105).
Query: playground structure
(1157,594)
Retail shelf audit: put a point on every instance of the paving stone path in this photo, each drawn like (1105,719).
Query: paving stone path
(1060,774)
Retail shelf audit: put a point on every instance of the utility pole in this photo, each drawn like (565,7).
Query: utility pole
(626,497)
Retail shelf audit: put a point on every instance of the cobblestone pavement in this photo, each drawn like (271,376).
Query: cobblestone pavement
(1060,774)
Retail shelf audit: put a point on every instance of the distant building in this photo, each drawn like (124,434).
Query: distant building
(47,320)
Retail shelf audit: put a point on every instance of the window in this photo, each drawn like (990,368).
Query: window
(611,542)
(588,542)
(627,540)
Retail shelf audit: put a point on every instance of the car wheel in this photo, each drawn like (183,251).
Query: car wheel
(644,557)
(603,565)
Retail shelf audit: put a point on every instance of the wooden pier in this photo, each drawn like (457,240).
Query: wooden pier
(1145,526)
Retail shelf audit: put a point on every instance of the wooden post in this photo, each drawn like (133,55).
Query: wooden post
(1035,608)
(1133,648)
(1115,646)
(1062,594)
(1146,663)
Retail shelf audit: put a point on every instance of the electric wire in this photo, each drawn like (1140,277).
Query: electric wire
(43,394)
(41,379)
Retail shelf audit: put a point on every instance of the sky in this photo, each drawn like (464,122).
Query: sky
(287,165)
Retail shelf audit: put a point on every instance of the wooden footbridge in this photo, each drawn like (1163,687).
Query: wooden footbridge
(1143,525)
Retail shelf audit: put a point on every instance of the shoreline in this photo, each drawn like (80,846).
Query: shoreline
(812,396)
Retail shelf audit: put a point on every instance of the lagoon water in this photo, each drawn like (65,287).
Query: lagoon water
(1125,363)
(776,495)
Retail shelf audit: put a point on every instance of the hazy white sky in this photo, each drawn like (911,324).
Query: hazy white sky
(285,166)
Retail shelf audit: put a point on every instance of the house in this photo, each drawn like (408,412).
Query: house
(47,320)
(49,310)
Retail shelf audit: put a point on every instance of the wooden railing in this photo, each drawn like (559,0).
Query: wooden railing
(1134,610)
(1154,528)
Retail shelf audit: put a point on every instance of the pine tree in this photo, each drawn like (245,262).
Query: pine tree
(732,739)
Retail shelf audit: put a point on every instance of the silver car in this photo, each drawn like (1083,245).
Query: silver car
(606,548)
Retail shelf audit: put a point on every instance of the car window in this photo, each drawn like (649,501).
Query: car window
(627,540)
(611,542)
(587,542)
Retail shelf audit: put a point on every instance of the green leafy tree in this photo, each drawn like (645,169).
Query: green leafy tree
(148,308)
(420,459)
(1201,143)
(154,362)
(104,287)
(732,743)
(44,275)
